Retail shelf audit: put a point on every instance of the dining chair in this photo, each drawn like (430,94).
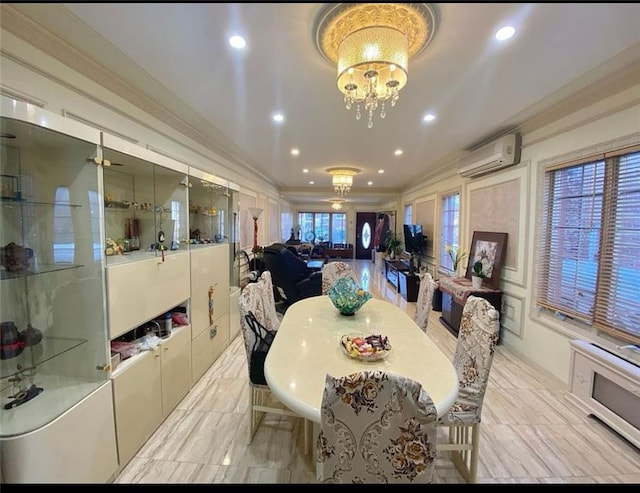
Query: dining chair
(375,427)
(332,271)
(261,400)
(424,301)
(271,315)
(477,339)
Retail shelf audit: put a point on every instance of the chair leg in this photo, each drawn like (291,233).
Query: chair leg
(475,443)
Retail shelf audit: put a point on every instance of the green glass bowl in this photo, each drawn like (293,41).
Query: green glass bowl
(347,296)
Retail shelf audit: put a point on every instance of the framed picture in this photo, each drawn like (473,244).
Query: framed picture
(490,249)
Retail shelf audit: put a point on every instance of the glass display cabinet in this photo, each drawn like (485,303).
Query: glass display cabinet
(145,205)
(54,361)
(208,209)
(146,223)
(51,279)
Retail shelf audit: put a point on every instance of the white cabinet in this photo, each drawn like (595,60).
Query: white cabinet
(175,368)
(209,305)
(147,387)
(139,291)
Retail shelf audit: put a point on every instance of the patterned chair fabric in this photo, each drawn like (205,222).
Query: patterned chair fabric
(333,271)
(272,318)
(477,339)
(476,344)
(424,301)
(376,427)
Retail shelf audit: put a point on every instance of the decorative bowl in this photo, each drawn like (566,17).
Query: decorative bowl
(365,347)
(347,296)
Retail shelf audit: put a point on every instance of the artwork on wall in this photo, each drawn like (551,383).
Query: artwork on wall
(490,249)
(385,226)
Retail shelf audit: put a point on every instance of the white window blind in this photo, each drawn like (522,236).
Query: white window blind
(589,268)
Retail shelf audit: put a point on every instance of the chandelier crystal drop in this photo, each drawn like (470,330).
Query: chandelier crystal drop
(371,44)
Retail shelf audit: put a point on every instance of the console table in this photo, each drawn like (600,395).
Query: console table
(406,283)
(455,291)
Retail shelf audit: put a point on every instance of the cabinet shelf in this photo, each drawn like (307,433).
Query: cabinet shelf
(8,202)
(41,269)
(34,356)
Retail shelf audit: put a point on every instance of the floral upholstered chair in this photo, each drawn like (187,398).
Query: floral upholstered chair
(375,427)
(477,339)
(333,271)
(271,316)
(424,301)
(261,400)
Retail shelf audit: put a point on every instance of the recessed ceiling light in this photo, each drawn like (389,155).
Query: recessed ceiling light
(237,42)
(399,152)
(305,170)
(295,152)
(429,117)
(380,171)
(369,183)
(278,117)
(505,33)
(311,182)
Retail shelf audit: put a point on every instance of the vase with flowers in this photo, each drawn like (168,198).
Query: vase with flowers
(456,254)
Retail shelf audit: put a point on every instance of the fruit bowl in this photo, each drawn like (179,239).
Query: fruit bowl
(365,347)
(347,296)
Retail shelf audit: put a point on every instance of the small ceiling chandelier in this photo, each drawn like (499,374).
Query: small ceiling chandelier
(336,204)
(371,43)
(342,179)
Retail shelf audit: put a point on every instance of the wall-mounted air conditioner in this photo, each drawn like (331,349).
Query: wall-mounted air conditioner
(499,154)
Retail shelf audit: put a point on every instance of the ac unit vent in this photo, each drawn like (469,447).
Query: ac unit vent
(497,155)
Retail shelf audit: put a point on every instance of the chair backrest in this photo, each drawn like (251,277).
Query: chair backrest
(424,302)
(376,427)
(477,339)
(258,298)
(265,289)
(332,271)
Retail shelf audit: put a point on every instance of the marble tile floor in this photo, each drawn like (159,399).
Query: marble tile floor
(530,433)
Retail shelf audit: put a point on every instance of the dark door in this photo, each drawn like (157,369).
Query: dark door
(365,224)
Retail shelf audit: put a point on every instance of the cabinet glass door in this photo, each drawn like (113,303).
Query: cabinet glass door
(145,207)
(52,308)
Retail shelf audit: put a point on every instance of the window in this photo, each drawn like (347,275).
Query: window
(589,268)
(450,229)
(286,225)
(63,242)
(408,214)
(323,226)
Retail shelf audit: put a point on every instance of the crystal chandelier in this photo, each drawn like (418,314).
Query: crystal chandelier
(336,204)
(371,43)
(342,179)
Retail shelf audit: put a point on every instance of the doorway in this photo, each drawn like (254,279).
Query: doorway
(365,225)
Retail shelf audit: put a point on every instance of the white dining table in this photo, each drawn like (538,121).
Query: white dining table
(307,347)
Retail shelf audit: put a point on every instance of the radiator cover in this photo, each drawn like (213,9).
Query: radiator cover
(606,386)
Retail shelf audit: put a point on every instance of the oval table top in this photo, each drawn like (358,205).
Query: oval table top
(307,347)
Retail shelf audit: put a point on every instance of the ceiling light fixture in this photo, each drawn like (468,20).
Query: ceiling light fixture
(371,43)
(504,33)
(342,179)
(337,204)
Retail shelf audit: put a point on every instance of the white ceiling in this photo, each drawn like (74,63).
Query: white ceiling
(178,54)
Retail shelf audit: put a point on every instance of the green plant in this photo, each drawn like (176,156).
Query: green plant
(393,244)
(478,269)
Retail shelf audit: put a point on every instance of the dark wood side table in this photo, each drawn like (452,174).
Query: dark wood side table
(455,291)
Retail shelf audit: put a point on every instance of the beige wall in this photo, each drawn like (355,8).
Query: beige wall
(506,201)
